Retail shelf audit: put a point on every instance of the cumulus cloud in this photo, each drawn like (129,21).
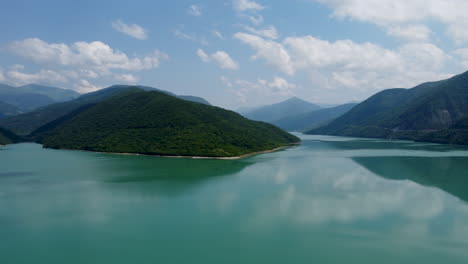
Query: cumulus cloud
(268,32)
(132,30)
(221,58)
(279,85)
(388,13)
(84,86)
(256,20)
(17,77)
(245,5)
(75,64)
(195,10)
(90,55)
(2,77)
(463,55)
(351,69)
(410,32)
(272,52)
(127,78)
(260,90)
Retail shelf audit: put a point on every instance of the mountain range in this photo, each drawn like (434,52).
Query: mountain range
(310,120)
(295,114)
(433,112)
(8,110)
(270,113)
(32,96)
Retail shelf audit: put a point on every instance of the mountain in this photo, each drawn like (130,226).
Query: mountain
(406,113)
(455,134)
(57,94)
(152,122)
(314,119)
(194,99)
(26,123)
(291,107)
(7,137)
(8,110)
(33,96)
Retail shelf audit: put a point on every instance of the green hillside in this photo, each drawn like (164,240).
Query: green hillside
(151,122)
(314,119)
(26,123)
(405,113)
(455,134)
(7,137)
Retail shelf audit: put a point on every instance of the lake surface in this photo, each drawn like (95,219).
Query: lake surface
(330,200)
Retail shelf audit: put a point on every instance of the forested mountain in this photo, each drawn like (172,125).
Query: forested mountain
(152,122)
(426,109)
(26,123)
(7,137)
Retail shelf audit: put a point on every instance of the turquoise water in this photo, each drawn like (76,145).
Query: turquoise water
(330,200)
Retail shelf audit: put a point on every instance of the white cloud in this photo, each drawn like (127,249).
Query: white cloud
(312,52)
(221,58)
(261,90)
(463,55)
(244,5)
(75,64)
(192,37)
(132,30)
(2,77)
(218,34)
(127,78)
(43,76)
(268,32)
(84,86)
(350,70)
(94,55)
(388,13)
(203,56)
(279,85)
(195,10)
(410,32)
(273,52)
(256,20)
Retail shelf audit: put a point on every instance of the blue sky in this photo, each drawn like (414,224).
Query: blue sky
(235,53)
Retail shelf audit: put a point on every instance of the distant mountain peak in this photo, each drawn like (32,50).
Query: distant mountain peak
(291,106)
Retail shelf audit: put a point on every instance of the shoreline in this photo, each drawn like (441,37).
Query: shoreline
(191,157)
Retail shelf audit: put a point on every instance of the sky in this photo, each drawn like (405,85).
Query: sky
(235,53)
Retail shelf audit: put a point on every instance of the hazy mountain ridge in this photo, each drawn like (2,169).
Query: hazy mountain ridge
(8,110)
(291,107)
(314,119)
(32,96)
